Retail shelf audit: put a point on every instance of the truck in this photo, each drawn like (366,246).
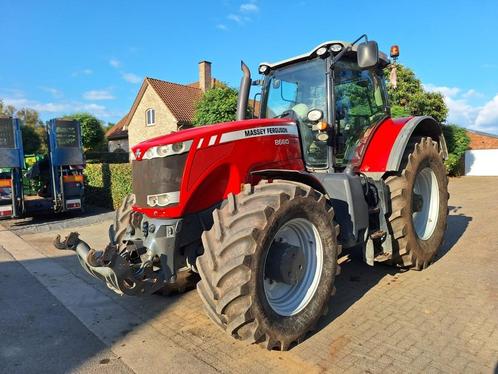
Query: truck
(52,183)
(260,209)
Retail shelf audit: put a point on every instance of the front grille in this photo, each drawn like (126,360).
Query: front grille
(156,176)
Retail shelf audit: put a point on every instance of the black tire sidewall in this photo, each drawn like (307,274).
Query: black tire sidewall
(294,326)
(426,249)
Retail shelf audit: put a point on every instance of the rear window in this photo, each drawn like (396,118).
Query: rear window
(66,133)
(6,133)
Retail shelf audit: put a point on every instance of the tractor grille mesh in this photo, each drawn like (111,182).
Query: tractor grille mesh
(155,176)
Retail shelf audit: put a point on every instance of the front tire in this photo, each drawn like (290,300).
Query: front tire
(269,263)
(419,205)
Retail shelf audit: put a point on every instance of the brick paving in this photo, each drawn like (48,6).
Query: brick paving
(441,320)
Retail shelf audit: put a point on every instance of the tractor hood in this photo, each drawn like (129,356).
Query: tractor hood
(191,170)
(208,133)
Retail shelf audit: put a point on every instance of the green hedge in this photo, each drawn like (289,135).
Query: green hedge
(107,184)
(457,142)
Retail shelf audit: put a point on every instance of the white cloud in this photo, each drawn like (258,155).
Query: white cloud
(115,63)
(462,110)
(487,119)
(472,93)
(98,95)
(249,8)
(52,109)
(446,91)
(56,93)
(221,26)
(131,78)
(236,18)
(82,72)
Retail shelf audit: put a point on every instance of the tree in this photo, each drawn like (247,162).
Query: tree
(31,139)
(457,142)
(32,129)
(217,105)
(92,132)
(410,98)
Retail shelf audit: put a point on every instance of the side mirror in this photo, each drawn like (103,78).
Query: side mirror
(368,54)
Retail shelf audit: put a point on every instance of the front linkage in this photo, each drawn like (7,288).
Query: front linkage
(114,268)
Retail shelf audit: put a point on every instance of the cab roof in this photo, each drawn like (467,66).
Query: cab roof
(306,56)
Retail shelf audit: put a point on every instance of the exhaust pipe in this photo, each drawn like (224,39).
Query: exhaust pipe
(119,274)
(245,86)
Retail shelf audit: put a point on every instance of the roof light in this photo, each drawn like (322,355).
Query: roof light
(394,51)
(264,69)
(321,51)
(336,48)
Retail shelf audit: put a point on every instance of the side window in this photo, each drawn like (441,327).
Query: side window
(150,117)
(359,106)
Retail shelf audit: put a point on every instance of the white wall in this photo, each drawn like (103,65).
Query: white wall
(481,162)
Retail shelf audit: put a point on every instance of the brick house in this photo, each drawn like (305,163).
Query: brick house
(159,108)
(482,140)
(117,136)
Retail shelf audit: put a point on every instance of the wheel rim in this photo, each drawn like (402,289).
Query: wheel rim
(289,299)
(425,205)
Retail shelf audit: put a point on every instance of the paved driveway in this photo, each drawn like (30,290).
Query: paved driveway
(443,319)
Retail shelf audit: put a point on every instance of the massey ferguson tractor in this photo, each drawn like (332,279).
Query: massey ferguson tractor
(261,208)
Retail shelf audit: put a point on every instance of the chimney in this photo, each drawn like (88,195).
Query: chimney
(205,82)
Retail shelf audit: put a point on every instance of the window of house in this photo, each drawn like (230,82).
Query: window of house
(150,117)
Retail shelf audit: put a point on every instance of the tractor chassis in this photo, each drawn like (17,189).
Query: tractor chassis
(171,245)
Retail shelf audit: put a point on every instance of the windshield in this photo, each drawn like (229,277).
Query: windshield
(299,88)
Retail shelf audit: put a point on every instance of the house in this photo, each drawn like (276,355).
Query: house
(117,136)
(159,108)
(482,156)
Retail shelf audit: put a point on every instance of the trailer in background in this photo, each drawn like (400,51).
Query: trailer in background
(11,165)
(52,183)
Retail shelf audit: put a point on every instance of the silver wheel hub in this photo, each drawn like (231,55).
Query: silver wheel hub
(425,203)
(293,267)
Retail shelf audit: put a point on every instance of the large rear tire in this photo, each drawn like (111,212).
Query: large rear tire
(419,205)
(269,263)
(121,223)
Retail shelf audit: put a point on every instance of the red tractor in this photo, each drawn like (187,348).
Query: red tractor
(260,209)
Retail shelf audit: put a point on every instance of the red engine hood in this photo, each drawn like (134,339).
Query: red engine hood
(204,131)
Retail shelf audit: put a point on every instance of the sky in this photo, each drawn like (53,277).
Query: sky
(64,56)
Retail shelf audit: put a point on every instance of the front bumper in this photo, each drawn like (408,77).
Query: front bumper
(156,250)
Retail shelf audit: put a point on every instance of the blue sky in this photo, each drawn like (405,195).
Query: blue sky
(65,56)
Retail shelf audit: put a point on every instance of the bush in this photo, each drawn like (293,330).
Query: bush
(107,184)
(457,142)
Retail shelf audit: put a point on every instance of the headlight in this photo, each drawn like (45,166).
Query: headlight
(163,199)
(167,150)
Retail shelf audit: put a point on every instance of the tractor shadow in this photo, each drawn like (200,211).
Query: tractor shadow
(457,225)
(357,278)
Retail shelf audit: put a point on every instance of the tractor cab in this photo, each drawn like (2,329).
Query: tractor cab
(335,93)
(11,164)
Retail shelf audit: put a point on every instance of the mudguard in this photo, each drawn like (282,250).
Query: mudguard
(387,145)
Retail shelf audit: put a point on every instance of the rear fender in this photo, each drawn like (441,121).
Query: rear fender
(387,146)
(417,126)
